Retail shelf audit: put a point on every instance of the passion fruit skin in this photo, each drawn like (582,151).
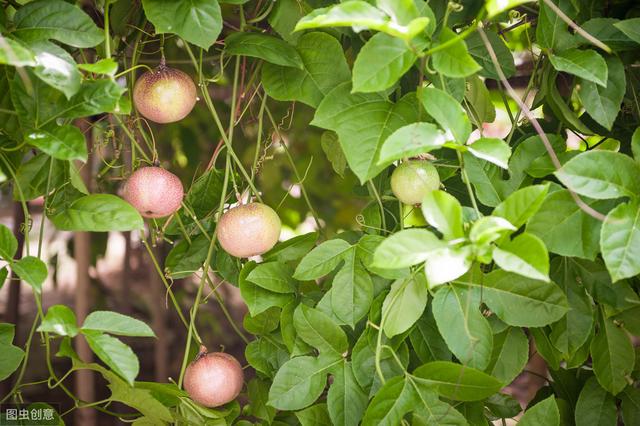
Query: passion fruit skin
(164,95)
(213,379)
(249,230)
(154,192)
(412,180)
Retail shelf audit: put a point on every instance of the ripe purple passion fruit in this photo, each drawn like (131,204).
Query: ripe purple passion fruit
(164,95)
(213,379)
(412,180)
(249,230)
(154,192)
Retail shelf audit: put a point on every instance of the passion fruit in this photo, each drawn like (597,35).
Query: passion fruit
(248,230)
(414,179)
(154,192)
(164,95)
(213,379)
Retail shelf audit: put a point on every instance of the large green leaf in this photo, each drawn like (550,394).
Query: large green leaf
(351,291)
(363,122)
(525,255)
(11,356)
(565,228)
(544,412)
(273,276)
(595,406)
(31,270)
(380,63)
(410,141)
(268,48)
(586,64)
(612,355)
(346,400)
(448,112)
(118,356)
(115,323)
(98,213)
(316,415)
(493,150)
(630,405)
(552,32)
(602,103)
(360,14)
(631,27)
(457,382)
(317,329)
(64,142)
(197,21)
(13,52)
(518,207)
(322,259)
(444,212)
(300,381)
(8,243)
(601,175)
(56,67)
(480,53)
(61,320)
(58,20)
(324,68)
(467,333)
(510,354)
(391,403)
(143,400)
(257,298)
(406,248)
(404,304)
(454,60)
(520,301)
(620,241)
(426,340)
(447,263)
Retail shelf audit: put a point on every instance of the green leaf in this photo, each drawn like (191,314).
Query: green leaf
(510,354)
(58,20)
(14,52)
(565,228)
(454,60)
(586,64)
(106,66)
(362,139)
(351,291)
(346,400)
(488,229)
(630,405)
(601,175)
(403,305)
(620,241)
(410,141)
(98,213)
(324,68)
(118,356)
(31,270)
(496,7)
(437,412)
(258,392)
(467,333)
(331,147)
(360,15)
(447,263)
(11,356)
(493,150)
(605,30)
(56,67)
(551,31)
(293,248)
(316,415)
(317,329)
(630,27)
(322,259)
(544,412)
(197,21)
(142,400)
(205,192)
(8,243)
(457,382)
(518,207)
(60,320)
(447,112)
(115,323)
(612,355)
(273,276)
(603,103)
(262,46)
(391,403)
(520,301)
(257,298)
(444,213)
(300,381)
(406,248)
(525,255)
(381,62)
(186,258)
(427,341)
(284,17)
(595,406)
(63,142)
(479,52)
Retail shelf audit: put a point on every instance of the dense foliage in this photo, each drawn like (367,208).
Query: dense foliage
(395,313)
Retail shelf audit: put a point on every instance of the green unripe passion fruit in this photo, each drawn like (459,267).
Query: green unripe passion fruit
(248,230)
(213,379)
(412,180)
(164,95)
